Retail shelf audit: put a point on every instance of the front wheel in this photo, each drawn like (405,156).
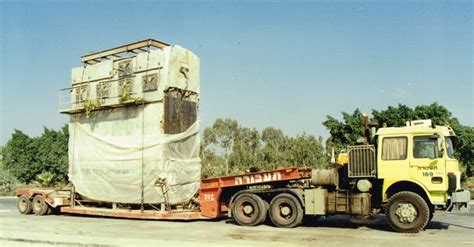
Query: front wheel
(407,212)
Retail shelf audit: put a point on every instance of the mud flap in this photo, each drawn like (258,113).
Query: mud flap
(460,200)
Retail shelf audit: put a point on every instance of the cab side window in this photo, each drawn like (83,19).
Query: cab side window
(425,147)
(394,148)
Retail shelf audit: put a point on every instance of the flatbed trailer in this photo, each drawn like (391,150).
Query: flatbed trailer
(215,197)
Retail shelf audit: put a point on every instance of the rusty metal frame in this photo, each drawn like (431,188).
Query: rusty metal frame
(134,214)
(49,195)
(113,53)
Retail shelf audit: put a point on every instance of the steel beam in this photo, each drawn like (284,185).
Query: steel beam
(92,58)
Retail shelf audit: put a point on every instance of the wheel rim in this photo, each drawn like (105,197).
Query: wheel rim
(37,205)
(406,212)
(286,211)
(23,205)
(247,211)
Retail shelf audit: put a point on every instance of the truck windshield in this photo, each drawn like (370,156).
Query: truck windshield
(449,147)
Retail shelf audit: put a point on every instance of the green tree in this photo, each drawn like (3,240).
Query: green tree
(394,116)
(307,151)
(19,157)
(220,138)
(398,116)
(275,148)
(345,132)
(438,113)
(26,157)
(7,180)
(229,148)
(245,150)
(464,145)
(212,165)
(52,153)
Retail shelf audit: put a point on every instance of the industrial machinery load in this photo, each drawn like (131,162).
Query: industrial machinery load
(134,124)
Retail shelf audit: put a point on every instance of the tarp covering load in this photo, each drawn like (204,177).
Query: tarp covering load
(143,141)
(109,159)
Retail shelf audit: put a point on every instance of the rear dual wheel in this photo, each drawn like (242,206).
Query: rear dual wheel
(40,207)
(249,209)
(286,211)
(24,205)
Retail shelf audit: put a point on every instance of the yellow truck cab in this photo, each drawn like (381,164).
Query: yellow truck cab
(420,158)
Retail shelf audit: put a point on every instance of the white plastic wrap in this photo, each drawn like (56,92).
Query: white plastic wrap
(112,153)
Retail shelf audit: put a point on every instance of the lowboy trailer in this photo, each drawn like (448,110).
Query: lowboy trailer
(214,198)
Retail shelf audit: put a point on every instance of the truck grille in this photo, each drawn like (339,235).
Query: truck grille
(361,161)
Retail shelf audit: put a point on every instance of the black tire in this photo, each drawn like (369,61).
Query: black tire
(249,210)
(40,207)
(286,211)
(407,212)
(431,214)
(265,211)
(24,205)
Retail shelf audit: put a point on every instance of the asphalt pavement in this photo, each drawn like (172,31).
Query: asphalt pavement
(446,229)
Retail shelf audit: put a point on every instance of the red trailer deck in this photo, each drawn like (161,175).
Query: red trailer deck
(214,197)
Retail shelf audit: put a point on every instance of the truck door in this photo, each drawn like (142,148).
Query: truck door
(427,164)
(393,164)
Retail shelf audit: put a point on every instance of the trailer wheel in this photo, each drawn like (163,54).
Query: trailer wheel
(24,205)
(249,210)
(407,212)
(40,207)
(265,211)
(286,211)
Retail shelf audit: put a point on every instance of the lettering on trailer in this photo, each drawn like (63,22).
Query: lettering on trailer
(258,178)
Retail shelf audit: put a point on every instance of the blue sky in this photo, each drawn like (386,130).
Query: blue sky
(274,63)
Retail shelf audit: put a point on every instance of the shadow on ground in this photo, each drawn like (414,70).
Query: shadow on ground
(345,222)
(338,221)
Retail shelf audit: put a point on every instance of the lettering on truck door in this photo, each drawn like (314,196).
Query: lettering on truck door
(427,164)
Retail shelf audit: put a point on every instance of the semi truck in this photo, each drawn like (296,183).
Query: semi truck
(124,99)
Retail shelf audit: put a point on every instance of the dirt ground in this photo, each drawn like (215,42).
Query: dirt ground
(446,229)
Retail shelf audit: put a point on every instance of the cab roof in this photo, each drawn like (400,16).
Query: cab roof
(443,130)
